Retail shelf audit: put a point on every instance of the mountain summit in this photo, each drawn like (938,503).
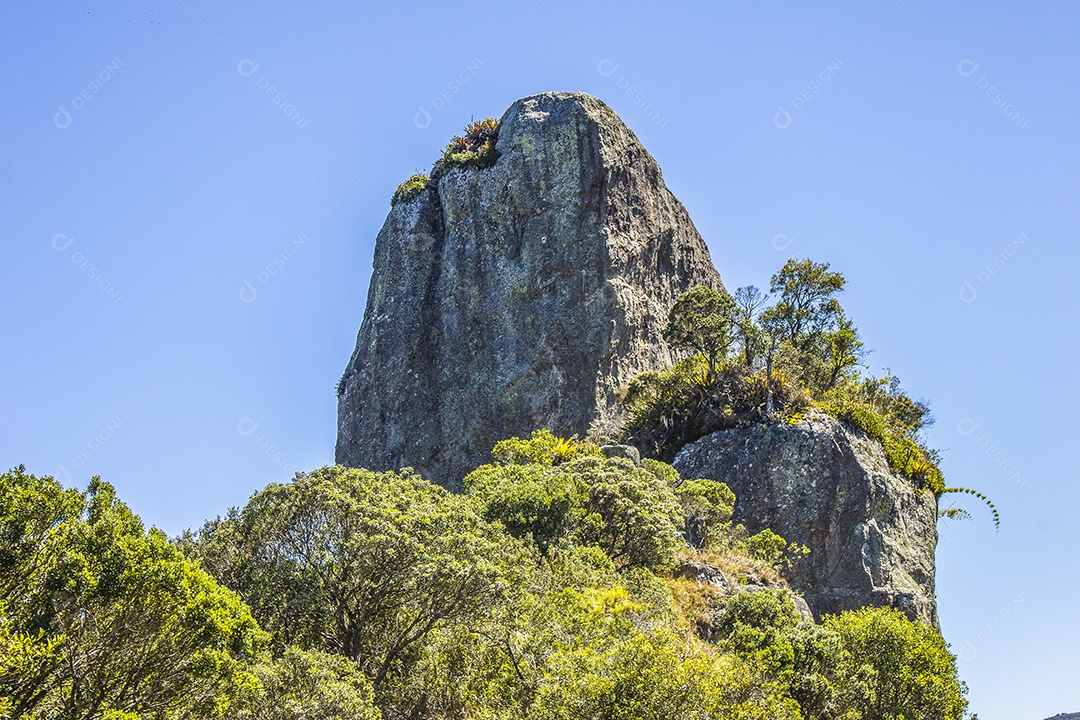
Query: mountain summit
(516,293)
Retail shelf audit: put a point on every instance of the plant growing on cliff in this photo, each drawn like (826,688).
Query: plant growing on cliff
(668,409)
(760,362)
(474,148)
(410,189)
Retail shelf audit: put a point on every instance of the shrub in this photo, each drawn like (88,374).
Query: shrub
(892,418)
(100,617)
(473,149)
(904,667)
(542,448)
(410,189)
(708,506)
(669,409)
(553,489)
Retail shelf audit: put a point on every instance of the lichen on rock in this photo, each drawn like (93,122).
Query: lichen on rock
(517,296)
(827,485)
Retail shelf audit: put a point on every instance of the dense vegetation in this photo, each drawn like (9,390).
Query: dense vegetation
(747,361)
(550,590)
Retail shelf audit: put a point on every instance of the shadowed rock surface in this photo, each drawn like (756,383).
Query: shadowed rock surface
(828,486)
(518,296)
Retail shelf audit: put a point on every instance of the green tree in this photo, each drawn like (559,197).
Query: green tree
(748,305)
(708,506)
(105,619)
(701,321)
(843,351)
(905,666)
(806,303)
(359,563)
(310,684)
(534,500)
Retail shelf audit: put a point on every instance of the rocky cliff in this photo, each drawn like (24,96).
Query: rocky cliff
(828,486)
(517,296)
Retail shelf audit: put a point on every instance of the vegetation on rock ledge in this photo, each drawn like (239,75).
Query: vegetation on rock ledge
(747,361)
(410,189)
(475,148)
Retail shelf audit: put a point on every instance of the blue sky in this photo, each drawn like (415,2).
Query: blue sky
(191,191)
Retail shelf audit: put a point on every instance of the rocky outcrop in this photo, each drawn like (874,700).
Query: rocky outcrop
(823,484)
(517,296)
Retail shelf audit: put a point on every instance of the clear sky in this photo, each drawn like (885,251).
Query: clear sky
(191,191)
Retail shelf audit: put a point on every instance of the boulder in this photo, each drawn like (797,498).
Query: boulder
(624,451)
(704,574)
(826,485)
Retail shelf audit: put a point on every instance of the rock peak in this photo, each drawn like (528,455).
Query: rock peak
(517,296)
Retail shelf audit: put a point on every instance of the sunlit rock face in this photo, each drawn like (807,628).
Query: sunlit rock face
(518,296)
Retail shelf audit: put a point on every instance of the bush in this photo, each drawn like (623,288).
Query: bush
(473,149)
(882,411)
(708,506)
(669,409)
(553,489)
(410,189)
(362,564)
(303,684)
(904,667)
(101,618)
(801,352)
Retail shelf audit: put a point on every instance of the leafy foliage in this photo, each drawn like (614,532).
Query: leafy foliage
(975,493)
(708,506)
(670,408)
(551,489)
(357,563)
(767,363)
(701,321)
(102,618)
(868,663)
(410,189)
(310,684)
(446,615)
(904,667)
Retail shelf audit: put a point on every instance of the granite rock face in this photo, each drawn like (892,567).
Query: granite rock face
(826,485)
(518,296)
